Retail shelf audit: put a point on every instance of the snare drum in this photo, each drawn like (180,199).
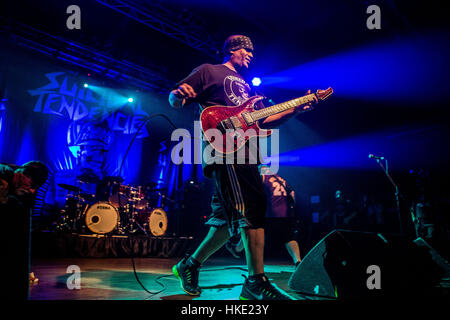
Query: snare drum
(102,217)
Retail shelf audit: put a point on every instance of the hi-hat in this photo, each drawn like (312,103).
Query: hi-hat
(69,187)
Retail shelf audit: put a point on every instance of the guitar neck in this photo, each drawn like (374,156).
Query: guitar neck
(277,108)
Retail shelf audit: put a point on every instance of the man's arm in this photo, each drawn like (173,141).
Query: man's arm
(178,96)
(292,194)
(4,189)
(279,118)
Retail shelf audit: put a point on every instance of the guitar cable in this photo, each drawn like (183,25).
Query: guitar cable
(152,293)
(120,205)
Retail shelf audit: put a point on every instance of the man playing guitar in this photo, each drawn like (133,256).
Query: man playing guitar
(239,202)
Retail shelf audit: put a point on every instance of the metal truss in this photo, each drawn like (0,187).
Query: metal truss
(161,19)
(87,58)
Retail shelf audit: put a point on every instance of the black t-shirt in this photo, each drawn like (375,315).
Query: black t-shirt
(278,196)
(219,85)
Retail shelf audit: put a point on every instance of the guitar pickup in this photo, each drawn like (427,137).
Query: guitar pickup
(236,123)
(248,118)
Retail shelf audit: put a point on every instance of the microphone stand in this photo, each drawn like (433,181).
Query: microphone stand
(397,192)
(435,256)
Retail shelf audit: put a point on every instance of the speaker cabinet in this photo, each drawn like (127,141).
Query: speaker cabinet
(349,264)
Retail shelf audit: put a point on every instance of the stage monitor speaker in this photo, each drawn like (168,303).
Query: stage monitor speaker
(350,264)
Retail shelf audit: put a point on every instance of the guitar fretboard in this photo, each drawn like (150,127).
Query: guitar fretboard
(277,108)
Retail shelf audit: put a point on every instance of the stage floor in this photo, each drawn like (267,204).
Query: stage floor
(113,279)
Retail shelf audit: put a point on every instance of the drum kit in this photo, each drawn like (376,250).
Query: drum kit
(114,209)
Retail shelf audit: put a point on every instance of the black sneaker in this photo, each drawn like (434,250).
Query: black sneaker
(188,276)
(235,246)
(231,250)
(262,289)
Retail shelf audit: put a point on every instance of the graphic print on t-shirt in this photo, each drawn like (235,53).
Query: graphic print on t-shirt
(236,89)
(278,203)
(277,187)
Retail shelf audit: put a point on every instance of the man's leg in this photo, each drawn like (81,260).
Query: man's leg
(257,285)
(294,251)
(254,249)
(187,270)
(214,240)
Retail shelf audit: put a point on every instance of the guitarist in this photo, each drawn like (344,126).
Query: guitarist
(239,202)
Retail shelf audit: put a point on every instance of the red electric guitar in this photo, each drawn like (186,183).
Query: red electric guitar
(227,129)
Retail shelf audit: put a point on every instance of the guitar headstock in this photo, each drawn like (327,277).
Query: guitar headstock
(324,94)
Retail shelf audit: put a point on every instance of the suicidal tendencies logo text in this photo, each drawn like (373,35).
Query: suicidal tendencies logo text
(236,89)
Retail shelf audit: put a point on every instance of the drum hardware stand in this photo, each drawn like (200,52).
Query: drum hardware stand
(123,226)
(78,221)
(120,228)
(134,222)
(64,223)
(73,224)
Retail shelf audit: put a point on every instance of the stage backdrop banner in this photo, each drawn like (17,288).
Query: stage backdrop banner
(47,113)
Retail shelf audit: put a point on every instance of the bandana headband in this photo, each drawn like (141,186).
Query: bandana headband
(236,43)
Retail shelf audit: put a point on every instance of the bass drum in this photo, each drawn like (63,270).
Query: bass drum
(154,221)
(102,217)
(157,222)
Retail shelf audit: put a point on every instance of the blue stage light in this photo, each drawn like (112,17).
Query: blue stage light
(130,99)
(403,146)
(75,150)
(86,85)
(403,69)
(256,81)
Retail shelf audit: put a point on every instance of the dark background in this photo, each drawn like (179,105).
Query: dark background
(285,34)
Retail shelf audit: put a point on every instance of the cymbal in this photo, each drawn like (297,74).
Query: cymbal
(88,178)
(150,184)
(69,187)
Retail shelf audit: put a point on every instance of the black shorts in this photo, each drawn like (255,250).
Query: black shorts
(239,199)
(288,227)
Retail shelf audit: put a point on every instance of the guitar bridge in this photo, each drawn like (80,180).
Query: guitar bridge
(225,125)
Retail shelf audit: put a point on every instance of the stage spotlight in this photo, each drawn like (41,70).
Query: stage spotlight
(256,81)
(130,99)
(86,85)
